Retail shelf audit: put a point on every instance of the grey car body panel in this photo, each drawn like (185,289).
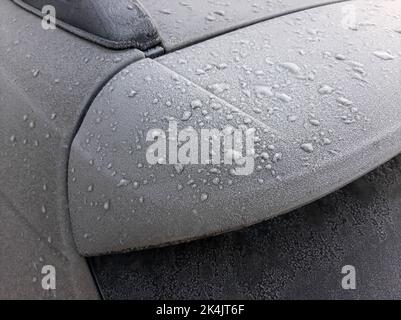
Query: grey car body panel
(126,23)
(181,23)
(118,24)
(47,80)
(303,80)
(299,255)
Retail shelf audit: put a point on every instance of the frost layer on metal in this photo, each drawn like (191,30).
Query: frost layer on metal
(321,93)
(181,23)
(47,79)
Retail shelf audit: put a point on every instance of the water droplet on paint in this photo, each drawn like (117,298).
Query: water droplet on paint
(307,147)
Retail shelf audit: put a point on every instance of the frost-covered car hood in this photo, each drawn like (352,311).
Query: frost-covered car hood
(322,97)
(181,23)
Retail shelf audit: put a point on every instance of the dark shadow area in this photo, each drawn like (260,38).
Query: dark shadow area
(295,256)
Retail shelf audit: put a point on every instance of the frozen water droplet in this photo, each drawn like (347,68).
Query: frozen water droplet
(247,120)
(307,147)
(35,72)
(291,67)
(263,91)
(219,88)
(106,205)
(196,104)
(384,55)
(325,89)
(326,141)
(277,157)
(220,12)
(165,11)
(132,94)
(344,101)
(210,18)
(283,97)
(123,183)
(340,57)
